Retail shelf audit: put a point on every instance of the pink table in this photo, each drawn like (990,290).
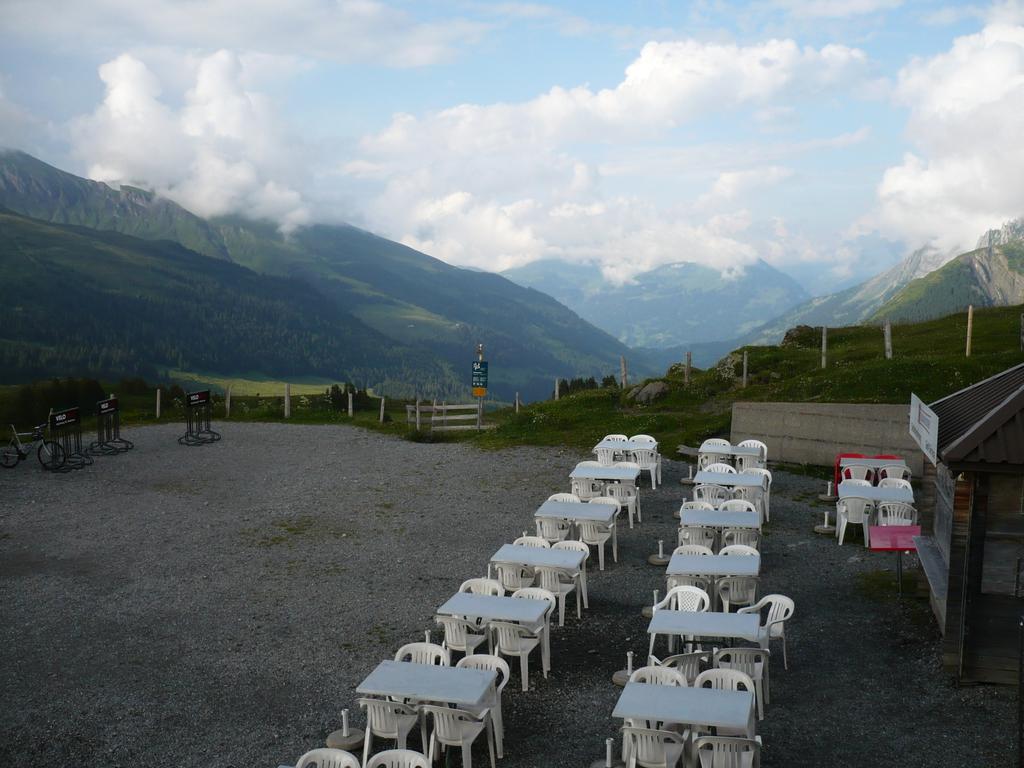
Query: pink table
(894,538)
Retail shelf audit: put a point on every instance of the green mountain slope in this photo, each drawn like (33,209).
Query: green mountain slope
(673,305)
(106,304)
(985,277)
(410,299)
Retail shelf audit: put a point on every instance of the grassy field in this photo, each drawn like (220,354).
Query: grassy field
(928,360)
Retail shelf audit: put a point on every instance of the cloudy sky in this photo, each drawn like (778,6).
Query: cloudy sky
(828,137)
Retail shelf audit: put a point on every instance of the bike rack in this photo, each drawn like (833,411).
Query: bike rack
(66,431)
(108,430)
(198,410)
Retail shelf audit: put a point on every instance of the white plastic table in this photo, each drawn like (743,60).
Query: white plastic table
(605,473)
(688,706)
(703,624)
(568,510)
(714,565)
(426,682)
(713,518)
(569,559)
(493,607)
(875,493)
(729,479)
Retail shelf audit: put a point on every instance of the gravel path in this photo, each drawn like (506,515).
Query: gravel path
(188,606)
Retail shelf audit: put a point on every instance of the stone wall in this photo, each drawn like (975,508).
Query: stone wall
(813,433)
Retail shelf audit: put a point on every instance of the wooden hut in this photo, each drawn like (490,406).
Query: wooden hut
(972,506)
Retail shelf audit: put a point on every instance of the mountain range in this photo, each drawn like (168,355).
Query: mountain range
(672,306)
(424,317)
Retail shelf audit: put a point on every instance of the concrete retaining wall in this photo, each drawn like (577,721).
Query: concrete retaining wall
(813,433)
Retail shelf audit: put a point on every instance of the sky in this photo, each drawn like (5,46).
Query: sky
(829,138)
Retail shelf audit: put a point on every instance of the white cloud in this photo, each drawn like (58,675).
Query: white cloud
(338,30)
(499,185)
(222,152)
(966,122)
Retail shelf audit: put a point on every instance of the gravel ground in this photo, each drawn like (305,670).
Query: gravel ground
(181,606)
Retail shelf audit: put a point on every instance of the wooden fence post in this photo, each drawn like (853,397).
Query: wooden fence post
(517,394)
(227,403)
(1022,332)
(888,339)
(824,346)
(744,369)
(287,400)
(480,415)
(686,375)
(350,405)
(382,409)
(557,386)
(622,370)
(158,402)
(417,414)
(970,328)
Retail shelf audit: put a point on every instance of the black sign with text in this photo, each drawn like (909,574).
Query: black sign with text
(107,407)
(66,418)
(197,399)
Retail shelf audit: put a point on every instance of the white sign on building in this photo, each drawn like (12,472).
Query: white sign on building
(924,428)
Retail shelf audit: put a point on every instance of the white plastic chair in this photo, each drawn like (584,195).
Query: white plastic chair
(895,482)
(627,496)
(532,541)
(713,451)
(553,529)
(649,461)
(581,578)
(517,640)
(893,471)
(728,469)
(615,438)
(696,505)
(483,586)
(761,497)
(727,680)
(712,494)
(499,666)
(715,444)
(746,536)
(896,513)
(695,534)
(424,653)
(643,439)
(606,456)
(773,621)
(560,583)
(398,758)
(745,462)
(680,598)
(737,505)
(458,728)
(727,752)
(692,549)
(736,590)
(325,757)
(852,510)
(595,534)
(738,549)
(857,482)
(689,665)
(858,473)
(569,498)
(652,445)
(543,628)
(459,635)
(753,662)
(513,576)
(688,580)
(651,748)
(656,674)
(387,720)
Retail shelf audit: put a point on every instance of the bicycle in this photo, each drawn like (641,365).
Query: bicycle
(50,453)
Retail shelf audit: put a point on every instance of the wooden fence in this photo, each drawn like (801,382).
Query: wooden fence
(442,418)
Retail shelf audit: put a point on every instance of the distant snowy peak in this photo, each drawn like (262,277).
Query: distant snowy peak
(1010,232)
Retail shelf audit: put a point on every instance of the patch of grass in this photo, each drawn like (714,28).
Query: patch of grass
(287,530)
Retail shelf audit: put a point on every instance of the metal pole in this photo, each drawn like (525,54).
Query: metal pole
(556,387)
(227,403)
(970,328)
(744,368)
(350,405)
(417,414)
(517,397)
(686,375)
(480,400)
(382,409)
(824,345)
(158,402)
(888,339)
(1020,693)
(287,400)
(622,370)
